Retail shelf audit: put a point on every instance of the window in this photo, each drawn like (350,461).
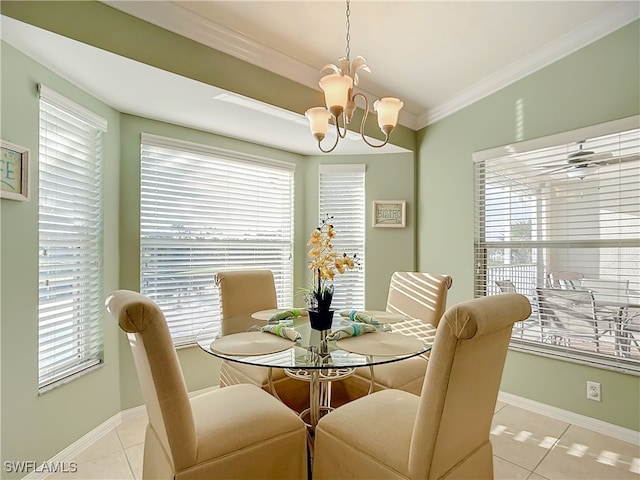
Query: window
(558,218)
(342,197)
(204,210)
(71,304)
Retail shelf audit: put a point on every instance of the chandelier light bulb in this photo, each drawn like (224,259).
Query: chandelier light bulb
(318,121)
(336,89)
(387,109)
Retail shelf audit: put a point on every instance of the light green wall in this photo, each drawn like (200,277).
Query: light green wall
(596,84)
(36,427)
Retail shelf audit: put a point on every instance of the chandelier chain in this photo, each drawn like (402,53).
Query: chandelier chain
(348,49)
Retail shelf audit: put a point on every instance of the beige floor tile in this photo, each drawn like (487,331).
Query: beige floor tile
(584,454)
(135,455)
(523,437)
(535,476)
(504,470)
(522,441)
(131,432)
(109,467)
(104,446)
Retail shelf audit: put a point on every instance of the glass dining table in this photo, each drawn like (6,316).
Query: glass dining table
(313,357)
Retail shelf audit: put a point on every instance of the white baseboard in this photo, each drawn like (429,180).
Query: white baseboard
(621,433)
(69,454)
(625,434)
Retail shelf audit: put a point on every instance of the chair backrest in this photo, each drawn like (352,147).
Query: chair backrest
(461,385)
(419,295)
(567,280)
(506,286)
(243,292)
(161,379)
(606,286)
(570,310)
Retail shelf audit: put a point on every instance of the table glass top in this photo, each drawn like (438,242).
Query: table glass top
(269,350)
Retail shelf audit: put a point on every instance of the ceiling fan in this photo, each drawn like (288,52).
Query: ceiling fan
(586,162)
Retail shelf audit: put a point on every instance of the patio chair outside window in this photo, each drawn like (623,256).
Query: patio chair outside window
(571,315)
(506,286)
(566,280)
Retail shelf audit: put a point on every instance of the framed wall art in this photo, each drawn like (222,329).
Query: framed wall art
(390,213)
(14,172)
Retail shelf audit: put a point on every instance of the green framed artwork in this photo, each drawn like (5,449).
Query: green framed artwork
(14,172)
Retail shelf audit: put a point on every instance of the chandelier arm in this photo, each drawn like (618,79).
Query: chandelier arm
(343,133)
(335,144)
(364,120)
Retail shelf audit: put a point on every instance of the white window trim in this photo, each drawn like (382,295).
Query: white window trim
(201,149)
(607,128)
(60,101)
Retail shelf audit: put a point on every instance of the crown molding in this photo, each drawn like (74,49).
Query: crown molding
(172,17)
(569,43)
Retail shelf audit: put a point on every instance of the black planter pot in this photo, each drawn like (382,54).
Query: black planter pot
(321,319)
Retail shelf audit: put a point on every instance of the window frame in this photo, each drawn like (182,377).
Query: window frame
(563,245)
(191,301)
(341,195)
(70,293)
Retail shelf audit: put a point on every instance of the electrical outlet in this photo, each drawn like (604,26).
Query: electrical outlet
(593,391)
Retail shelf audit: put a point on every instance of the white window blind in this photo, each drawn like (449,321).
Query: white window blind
(342,197)
(71,305)
(204,210)
(558,219)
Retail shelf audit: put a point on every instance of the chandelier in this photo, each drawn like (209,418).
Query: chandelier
(340,101)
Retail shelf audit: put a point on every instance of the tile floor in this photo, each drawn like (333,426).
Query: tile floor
(526,445)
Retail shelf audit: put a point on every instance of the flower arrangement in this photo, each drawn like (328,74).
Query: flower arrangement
(325,264)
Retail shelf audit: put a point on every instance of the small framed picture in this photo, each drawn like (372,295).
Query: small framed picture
(390,213)
(14,172)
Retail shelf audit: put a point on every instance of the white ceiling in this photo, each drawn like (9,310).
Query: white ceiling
(437,56)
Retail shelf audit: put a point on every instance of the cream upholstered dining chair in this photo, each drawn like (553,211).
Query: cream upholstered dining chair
(239,432)
(445,432)
(243,292)
(422,297)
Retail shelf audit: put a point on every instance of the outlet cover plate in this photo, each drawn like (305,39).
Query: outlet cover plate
(593,391)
